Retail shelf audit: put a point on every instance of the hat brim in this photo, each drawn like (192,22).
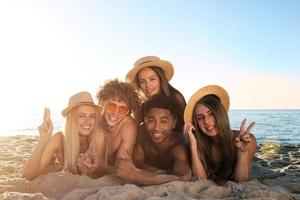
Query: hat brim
(166,66)
(69,108)
(220,92)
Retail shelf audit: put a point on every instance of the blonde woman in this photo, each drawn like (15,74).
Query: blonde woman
(80,133)
(151,76)
(218,153)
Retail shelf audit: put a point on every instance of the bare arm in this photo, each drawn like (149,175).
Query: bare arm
(42,156)
(197,165)
(181,165)
(129,133)
(44,150)
(128,172)
(246,145)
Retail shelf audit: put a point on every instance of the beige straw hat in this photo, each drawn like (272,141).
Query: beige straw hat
(149,61)
(207,90)
(78,99)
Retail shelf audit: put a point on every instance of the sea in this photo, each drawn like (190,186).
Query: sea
(271,126)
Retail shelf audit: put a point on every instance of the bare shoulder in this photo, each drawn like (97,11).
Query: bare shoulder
(179,152)
(56,141)
(128,120)
(128,124)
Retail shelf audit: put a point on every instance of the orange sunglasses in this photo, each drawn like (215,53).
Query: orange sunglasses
(111,107)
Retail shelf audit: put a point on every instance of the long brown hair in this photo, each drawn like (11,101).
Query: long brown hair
(168,90)
(224,142)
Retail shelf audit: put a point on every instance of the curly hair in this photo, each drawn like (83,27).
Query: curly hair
(123,91)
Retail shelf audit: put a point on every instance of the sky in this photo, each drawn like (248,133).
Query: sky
(50,50)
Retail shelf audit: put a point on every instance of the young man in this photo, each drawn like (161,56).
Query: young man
(160,154)
(118,100)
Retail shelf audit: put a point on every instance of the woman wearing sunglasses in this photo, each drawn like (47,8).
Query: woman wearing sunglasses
(117,99)
(218,153)
(63,148)
(151,75)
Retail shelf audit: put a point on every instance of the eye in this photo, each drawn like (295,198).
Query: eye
(141,82)
(199,118)
(149,120)
(164,121)
(81,116)
(93,116)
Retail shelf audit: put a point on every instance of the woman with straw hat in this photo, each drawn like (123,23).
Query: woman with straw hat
(218,153)
(151,75)
(80,132)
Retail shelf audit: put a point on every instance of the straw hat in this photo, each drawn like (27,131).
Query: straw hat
(78,99)
(149,61)
(207,90)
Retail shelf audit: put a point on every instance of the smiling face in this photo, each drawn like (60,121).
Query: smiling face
(159,122)
(114,111)
(206,120)
(86,119)
(149,81)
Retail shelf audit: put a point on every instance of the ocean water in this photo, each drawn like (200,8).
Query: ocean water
(271,126)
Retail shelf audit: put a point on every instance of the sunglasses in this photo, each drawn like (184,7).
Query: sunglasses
(111,107)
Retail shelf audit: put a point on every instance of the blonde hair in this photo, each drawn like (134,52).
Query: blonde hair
(71,143)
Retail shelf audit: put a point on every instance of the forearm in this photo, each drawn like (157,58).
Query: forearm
(144,177)
(197,165)
(242,169)
(32,166)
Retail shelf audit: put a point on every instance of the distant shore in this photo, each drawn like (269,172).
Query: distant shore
(275,175)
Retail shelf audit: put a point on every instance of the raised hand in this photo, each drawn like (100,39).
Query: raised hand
(46,128)
(188,130)
(243,140)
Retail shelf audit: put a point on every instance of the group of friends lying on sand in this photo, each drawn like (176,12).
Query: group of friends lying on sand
(142,131)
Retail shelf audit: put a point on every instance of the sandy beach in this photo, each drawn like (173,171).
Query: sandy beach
(275,175)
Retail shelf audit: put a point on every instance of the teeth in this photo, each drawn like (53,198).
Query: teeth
(86,127)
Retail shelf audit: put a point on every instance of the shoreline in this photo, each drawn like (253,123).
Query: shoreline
(275,175)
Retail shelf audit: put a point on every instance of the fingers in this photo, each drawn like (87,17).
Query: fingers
(250,127)
(242,128)
(246,138)
(46,116)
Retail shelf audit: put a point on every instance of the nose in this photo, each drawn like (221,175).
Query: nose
(147,84)
(116,111)
(157,127)
(207,120)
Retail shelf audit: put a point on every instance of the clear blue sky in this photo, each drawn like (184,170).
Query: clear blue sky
(52,49)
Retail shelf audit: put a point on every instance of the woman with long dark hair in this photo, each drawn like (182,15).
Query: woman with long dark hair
(218,153)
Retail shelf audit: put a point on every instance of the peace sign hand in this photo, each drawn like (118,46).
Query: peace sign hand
(243,140)
(46,128)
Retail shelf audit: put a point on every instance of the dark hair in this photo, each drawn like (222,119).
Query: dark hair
(225,137)
(160,101)
(165,102)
